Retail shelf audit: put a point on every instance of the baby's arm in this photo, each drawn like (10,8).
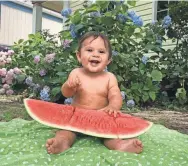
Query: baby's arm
(69,88)
(114,94)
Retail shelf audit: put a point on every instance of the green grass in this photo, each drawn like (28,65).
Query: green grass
(11,110)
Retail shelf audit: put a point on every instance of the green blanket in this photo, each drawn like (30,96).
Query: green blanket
(22,143)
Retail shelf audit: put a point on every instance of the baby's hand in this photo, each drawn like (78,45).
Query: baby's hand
(110,110)
(73,81)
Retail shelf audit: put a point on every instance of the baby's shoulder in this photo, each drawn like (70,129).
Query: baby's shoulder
(76,71)
(110,75)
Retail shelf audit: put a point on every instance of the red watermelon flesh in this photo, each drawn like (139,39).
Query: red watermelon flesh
(90,122)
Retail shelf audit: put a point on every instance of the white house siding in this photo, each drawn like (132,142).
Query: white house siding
(74,5)
(16,22)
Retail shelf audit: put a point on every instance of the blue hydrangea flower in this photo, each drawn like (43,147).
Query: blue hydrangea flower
(29,80)
(95,14)
(66,12)
(130,103)
(44,95)
(144,59)
(166,21)
(114,53)
(68,101)
(123,94)
(73,34)
(122,18)
(46,88)
(106,69)
(159,41)
(137,20)
(153,22)
(36,87)
(115,2)
(131,14)
(72,31)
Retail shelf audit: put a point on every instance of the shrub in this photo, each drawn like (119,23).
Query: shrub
(46,62)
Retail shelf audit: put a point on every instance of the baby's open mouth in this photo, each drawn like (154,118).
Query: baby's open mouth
(94,62)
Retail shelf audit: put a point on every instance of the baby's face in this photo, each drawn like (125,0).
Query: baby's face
(93,55)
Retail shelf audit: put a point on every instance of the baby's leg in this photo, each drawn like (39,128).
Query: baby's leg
(129,145)
(62,141)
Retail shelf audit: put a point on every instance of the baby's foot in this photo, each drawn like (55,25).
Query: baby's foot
(55,146)
(130,145)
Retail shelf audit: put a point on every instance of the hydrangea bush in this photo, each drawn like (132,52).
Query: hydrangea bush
(45,60)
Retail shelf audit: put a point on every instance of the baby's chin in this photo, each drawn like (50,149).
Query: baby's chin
(95,70)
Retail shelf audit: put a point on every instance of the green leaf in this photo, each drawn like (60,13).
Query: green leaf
(145,98)
(119,78)
(122,87)
(55,91)
(20,78)
(134,68)
(149,46)
(20,41)
(61,74)
(92,8)
(135,86)
(146,88)
(152,95)
(76,19)
(78,27)
(131,2)
(156,75)
(107,21)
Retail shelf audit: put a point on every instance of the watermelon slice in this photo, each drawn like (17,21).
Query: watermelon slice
(90,122)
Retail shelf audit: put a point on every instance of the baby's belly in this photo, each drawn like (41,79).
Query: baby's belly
(90,102)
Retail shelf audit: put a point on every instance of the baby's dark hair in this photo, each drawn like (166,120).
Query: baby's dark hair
(96,35)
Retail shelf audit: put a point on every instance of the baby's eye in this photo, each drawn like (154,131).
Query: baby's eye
(102,52)
(89,50)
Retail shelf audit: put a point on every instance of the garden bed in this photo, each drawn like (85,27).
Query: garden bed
(12,107)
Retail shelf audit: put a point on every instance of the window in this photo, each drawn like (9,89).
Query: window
(162,8)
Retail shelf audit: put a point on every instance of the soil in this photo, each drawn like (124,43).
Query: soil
(171,119)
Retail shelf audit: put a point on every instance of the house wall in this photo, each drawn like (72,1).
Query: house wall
(74,5)
(16,22)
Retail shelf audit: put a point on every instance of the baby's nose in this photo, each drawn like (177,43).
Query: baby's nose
(95,55)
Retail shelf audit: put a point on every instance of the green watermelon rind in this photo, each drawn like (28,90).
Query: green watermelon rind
(91,133)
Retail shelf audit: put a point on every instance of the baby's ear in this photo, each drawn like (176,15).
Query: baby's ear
(78,55)
(109,61)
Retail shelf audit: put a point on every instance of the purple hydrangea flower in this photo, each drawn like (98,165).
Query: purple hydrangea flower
(66,43)
(130,103)
(66,12)
(36,59)
(42,72)
(123,94)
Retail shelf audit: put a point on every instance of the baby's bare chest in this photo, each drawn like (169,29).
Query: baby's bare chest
(98,87)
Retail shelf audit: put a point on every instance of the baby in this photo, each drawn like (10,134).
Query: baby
(93,88)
